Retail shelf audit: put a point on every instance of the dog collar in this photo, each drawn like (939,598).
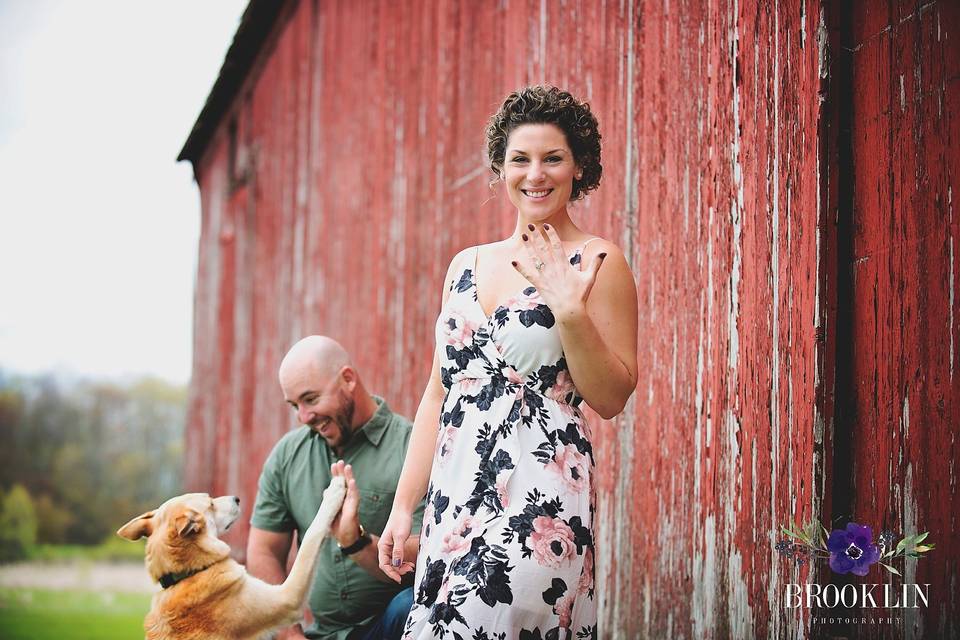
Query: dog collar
(167,580)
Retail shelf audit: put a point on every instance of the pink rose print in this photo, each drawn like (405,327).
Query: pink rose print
(585,585)
(511,375)
(571,466)
(552,541)
(428,514)
(502,494)
(564,608)
(459,539)
(445,446)
(472,386)
(562,387)
(459,331)
(522,302)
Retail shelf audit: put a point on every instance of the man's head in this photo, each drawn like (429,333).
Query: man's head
(320,383)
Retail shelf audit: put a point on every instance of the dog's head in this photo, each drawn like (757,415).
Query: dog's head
(182,533)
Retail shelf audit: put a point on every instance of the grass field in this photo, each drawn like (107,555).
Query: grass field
(40,614)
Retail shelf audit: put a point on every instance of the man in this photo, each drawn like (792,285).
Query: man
(351,599)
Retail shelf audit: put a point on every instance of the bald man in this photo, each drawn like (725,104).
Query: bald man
(345,431)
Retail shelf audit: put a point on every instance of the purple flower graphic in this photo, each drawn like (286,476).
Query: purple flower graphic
(852,550)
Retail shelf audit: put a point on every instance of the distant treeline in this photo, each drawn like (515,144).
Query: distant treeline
(80,458)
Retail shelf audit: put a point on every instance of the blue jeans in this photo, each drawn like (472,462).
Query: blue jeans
(389,626)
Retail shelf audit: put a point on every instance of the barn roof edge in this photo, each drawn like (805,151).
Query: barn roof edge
(254,28)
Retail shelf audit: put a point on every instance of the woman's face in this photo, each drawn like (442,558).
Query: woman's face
(539,169)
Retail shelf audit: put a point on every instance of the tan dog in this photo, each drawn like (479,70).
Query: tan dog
(207,594)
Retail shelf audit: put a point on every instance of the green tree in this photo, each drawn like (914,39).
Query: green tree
(92,454)
(18,525)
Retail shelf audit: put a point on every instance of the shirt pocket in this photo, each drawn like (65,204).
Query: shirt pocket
(375,509)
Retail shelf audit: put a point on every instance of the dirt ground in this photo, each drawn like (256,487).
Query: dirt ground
(92,576)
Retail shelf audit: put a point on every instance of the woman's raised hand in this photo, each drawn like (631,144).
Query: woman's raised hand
(563,287)
(390,547)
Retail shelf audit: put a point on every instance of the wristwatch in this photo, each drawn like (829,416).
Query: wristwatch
(362,541)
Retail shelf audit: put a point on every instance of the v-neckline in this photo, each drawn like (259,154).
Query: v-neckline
(476,289)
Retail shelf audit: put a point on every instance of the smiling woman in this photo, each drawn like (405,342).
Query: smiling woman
(570,117)
(508,535)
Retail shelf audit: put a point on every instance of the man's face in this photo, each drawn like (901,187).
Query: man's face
(321,403)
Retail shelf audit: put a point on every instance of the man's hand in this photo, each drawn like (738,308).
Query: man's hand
(346,526)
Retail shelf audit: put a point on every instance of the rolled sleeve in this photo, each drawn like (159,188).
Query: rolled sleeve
(271,511)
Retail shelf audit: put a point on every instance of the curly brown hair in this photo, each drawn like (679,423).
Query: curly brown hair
(541,104)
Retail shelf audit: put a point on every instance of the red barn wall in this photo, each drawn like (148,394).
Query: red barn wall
(349,169)
(901,406)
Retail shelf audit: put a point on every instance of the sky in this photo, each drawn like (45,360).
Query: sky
(98,222)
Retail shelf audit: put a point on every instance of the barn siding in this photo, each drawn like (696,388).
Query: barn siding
(741,204)
(904,61)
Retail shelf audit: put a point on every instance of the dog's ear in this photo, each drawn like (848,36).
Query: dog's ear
(189,522)
(137,528)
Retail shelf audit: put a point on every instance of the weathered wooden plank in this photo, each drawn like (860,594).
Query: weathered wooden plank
(905,130)
(358,172)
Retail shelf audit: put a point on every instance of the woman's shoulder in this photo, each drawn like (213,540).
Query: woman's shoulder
(461,259)
(595,245)
(617,265)
(466,256)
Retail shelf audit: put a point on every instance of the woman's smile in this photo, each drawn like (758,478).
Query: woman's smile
(537,194)
(539,170)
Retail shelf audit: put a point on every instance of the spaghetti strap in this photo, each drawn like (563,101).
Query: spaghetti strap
(584,245)
(512,472)
(578,254)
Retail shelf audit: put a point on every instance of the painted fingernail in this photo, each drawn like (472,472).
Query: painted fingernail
(514,263)
(547,227)
(530,226)
(396,562)
(603,255)
(524,236)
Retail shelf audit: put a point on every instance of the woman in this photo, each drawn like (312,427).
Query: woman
(529,327)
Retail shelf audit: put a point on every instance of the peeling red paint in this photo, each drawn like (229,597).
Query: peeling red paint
(358,172)
(906,159)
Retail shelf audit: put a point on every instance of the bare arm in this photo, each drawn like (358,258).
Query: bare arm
(346,528)
(367,557)
(267,553)
(423,441)
(600,338)
(415,476)
(596,313)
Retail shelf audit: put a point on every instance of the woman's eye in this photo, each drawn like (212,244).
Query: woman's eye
(518,159)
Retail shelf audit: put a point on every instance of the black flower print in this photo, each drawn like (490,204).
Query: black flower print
(430,584)
(486,567)
(510,502)
(465,281)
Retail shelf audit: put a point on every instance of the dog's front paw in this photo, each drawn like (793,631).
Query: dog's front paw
(336,491)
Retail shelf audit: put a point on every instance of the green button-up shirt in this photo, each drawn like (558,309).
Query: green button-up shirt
(344,596)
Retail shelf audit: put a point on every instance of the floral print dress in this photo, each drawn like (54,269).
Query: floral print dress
(507,544)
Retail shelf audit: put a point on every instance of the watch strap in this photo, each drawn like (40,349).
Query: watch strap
(362,541)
